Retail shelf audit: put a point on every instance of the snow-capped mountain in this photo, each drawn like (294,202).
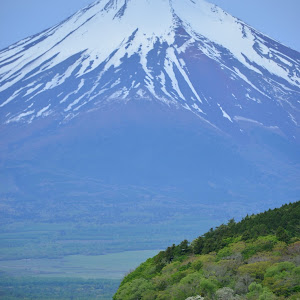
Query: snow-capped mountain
(184,53)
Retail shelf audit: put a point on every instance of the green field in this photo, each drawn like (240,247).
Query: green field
(27,240)
(70,277)
(109,266)
(57,288)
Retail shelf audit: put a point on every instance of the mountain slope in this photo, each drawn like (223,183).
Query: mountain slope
(253,259)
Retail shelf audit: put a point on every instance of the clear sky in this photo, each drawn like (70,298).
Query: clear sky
(278,19)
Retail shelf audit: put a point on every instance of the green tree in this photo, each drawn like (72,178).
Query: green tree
(183,248)
(282,235)
(198,245)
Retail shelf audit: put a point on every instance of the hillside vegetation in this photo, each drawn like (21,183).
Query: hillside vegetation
(257,258)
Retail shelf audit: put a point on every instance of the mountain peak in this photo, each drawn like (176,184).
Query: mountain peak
(188,53)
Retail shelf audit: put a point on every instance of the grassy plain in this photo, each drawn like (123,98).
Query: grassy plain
(69,277)
(109,266)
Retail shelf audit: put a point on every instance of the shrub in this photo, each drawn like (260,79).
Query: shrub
(197,265)
(255,270)
(276,269)
(243,283)
(282,278)
(255,289)
(207,288)
(134,290)
(223,253)
(262,244)
(267,295)
(225,293)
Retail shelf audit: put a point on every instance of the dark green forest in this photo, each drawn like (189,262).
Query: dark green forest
(256,258)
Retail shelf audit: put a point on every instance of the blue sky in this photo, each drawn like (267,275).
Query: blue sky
(278,19)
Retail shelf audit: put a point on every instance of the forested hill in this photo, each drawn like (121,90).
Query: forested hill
(256,258)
